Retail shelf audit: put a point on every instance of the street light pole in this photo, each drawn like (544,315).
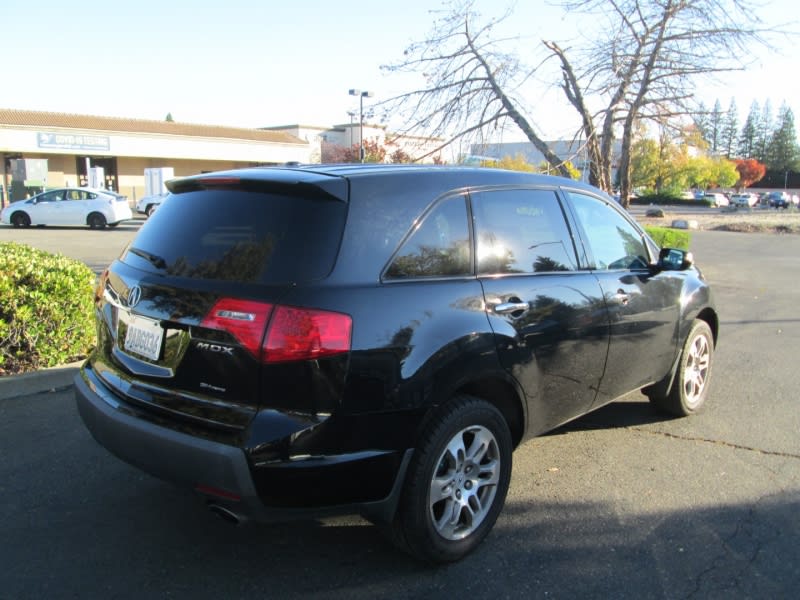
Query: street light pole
(361,95)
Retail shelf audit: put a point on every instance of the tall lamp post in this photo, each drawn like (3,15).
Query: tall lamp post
(361,95)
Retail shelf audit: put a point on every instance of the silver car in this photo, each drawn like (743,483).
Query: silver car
(745,199)
(148,204)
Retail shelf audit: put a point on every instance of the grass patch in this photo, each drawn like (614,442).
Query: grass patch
(667,237)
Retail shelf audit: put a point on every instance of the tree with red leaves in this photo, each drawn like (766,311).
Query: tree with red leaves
(374,152)
(750,171)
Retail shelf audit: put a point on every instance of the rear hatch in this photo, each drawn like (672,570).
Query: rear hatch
(183,314)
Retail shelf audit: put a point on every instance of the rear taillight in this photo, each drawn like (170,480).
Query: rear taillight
(304,334)
(288,333)
(244,319)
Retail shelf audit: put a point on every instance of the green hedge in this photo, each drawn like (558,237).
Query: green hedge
(46,311)
(669,238)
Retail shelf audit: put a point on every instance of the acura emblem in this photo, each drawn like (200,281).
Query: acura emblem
(134,295)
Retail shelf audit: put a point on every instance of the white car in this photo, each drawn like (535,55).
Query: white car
(148,204)
(69,206)
(745,199)
(716,198)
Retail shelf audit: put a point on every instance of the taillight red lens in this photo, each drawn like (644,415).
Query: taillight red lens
(246,320)
(292,333)
(306,334)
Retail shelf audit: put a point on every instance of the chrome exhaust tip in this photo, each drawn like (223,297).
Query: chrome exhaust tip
(227,514)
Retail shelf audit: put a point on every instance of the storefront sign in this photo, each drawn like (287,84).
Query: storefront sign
(72,141)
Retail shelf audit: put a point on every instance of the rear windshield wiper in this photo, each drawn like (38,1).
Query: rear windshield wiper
(155,260)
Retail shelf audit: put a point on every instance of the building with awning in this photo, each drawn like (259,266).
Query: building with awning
(122,149)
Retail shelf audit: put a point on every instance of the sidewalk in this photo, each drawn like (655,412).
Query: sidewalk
(45,380)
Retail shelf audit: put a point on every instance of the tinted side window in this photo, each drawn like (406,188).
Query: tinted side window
(439,246)
(615,243)
(521,231)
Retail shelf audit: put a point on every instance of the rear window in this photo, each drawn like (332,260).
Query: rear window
(237,235)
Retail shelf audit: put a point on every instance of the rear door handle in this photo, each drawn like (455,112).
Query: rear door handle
(506,308)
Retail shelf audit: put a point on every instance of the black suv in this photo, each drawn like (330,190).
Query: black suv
(378,338)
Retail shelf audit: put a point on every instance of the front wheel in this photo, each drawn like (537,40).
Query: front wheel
(457,482)
(690,387)
(20,219)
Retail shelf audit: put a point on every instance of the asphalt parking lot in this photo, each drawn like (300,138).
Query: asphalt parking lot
(622,503)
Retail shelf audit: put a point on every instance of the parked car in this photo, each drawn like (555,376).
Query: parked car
(69,206)
(379,338)
(778,199)
(745,199)
(716,198)
(148,204)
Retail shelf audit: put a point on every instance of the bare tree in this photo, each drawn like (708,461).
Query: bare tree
(644,65)
(468,87)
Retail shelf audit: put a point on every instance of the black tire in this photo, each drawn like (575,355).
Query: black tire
(689,389)
(465,453)
(20,219)
(96,221)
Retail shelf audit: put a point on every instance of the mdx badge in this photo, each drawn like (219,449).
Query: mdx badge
(226,350)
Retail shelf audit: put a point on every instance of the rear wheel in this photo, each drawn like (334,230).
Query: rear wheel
(96,221)
(457,482)
(690,386)
(20,219)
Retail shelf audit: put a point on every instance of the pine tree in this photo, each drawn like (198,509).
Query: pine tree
(702,123)
(715,129)
(747,139)
(730,123)
(782,152)
(763,133)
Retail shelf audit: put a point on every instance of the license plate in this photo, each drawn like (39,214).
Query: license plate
(144,337)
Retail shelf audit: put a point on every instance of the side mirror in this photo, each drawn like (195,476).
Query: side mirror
(673,259)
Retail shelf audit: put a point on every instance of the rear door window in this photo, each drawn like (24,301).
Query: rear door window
(521,231)
(238,235)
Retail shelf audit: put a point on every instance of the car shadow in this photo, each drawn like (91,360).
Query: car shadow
(624,413)
(128,225)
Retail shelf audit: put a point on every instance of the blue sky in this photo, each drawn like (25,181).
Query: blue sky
(253,64)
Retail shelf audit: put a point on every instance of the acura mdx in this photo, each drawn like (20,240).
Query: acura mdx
(322,339)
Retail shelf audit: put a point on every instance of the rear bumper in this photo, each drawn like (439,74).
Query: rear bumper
(220,472)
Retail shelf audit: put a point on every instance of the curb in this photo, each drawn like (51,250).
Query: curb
(45,380)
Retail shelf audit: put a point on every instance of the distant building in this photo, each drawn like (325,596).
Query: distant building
(70,150)
(569,150)
(347,135)
(74,146)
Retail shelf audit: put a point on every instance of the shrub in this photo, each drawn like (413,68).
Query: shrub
(669,238)
(46,311)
